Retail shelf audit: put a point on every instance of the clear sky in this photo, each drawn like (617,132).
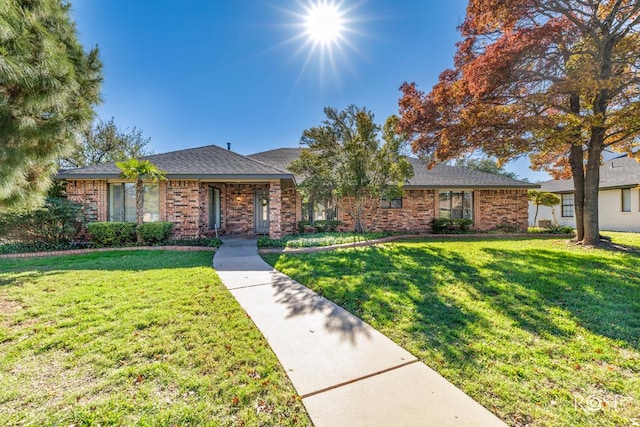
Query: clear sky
(201,72)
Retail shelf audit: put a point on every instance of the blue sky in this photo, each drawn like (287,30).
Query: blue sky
(210,71)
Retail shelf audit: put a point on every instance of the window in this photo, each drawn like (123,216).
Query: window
(456,204)
(122,202)
(314,211)
(567,205)
(215,211)
(391,203)
(626,200)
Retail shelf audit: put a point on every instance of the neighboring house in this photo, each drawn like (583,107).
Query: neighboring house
(618,199)
(211,189)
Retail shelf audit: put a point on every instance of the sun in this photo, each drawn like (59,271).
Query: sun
(324,32)
(324,23)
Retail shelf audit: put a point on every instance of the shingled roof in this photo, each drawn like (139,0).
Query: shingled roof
(441,176)
(620,172)
(211,162)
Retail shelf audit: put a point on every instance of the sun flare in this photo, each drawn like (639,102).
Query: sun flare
(324,22)
(324,32)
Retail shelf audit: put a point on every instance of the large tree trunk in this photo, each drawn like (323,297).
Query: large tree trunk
(576,162)
(576,159)
(591,188)
(139,208)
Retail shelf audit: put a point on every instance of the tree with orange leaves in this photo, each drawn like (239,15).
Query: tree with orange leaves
(558,80)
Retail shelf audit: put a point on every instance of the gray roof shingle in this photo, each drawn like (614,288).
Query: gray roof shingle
(218,163)
(619,172)
(203,162)
(441,176)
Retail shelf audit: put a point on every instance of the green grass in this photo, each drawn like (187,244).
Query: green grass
(540,332)
(133,338)
(317,239)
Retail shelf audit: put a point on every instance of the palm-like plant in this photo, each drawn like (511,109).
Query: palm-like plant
(140,171)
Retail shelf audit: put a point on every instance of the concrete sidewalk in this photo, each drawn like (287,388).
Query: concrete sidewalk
(347,373)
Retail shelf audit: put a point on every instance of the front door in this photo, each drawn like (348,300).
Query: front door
(261,210)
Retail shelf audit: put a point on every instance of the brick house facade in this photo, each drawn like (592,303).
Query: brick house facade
(212,190)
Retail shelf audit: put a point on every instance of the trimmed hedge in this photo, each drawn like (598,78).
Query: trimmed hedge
(112,233)
(451,226)
(155,232)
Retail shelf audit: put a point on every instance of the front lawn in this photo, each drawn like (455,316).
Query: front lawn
(540,332)
(136,337)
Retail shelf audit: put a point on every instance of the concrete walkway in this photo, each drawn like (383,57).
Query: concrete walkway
(347,373)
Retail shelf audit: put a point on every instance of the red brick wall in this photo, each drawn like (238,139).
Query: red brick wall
(495,208)
(418,209)
(93,195)
(183,205)
(186,204)
(289,216)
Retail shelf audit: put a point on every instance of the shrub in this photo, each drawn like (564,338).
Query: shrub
(323,225)
(211,242)
(20,248)
(155,232)
(554,229)
(506,228)
(267,242)
(451,226)
(112,233)
(57,222)
(302,226)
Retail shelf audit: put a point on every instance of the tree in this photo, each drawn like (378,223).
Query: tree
(542,198)
(140,171)
(104,143)
(48,88)
(555,79)
(484,164)
(346,162)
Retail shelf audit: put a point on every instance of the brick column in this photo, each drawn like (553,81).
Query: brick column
(275,210)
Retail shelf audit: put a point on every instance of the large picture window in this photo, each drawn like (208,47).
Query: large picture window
(456,204)
(567,205)
(314,211)
(122,202)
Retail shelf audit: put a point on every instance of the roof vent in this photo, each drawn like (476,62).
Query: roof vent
(612,166)
(229,146)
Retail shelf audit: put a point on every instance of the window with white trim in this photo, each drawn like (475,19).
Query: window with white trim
(567,205)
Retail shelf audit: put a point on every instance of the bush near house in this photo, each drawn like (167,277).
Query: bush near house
(318,226)
(451,226)
(153,233)
(54,224)
(112,233)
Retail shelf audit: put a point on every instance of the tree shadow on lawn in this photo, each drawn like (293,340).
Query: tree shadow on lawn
(410,288)
(17,271)
(374,285)
(602,294)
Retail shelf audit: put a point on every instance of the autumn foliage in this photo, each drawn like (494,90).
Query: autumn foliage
(556,80)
